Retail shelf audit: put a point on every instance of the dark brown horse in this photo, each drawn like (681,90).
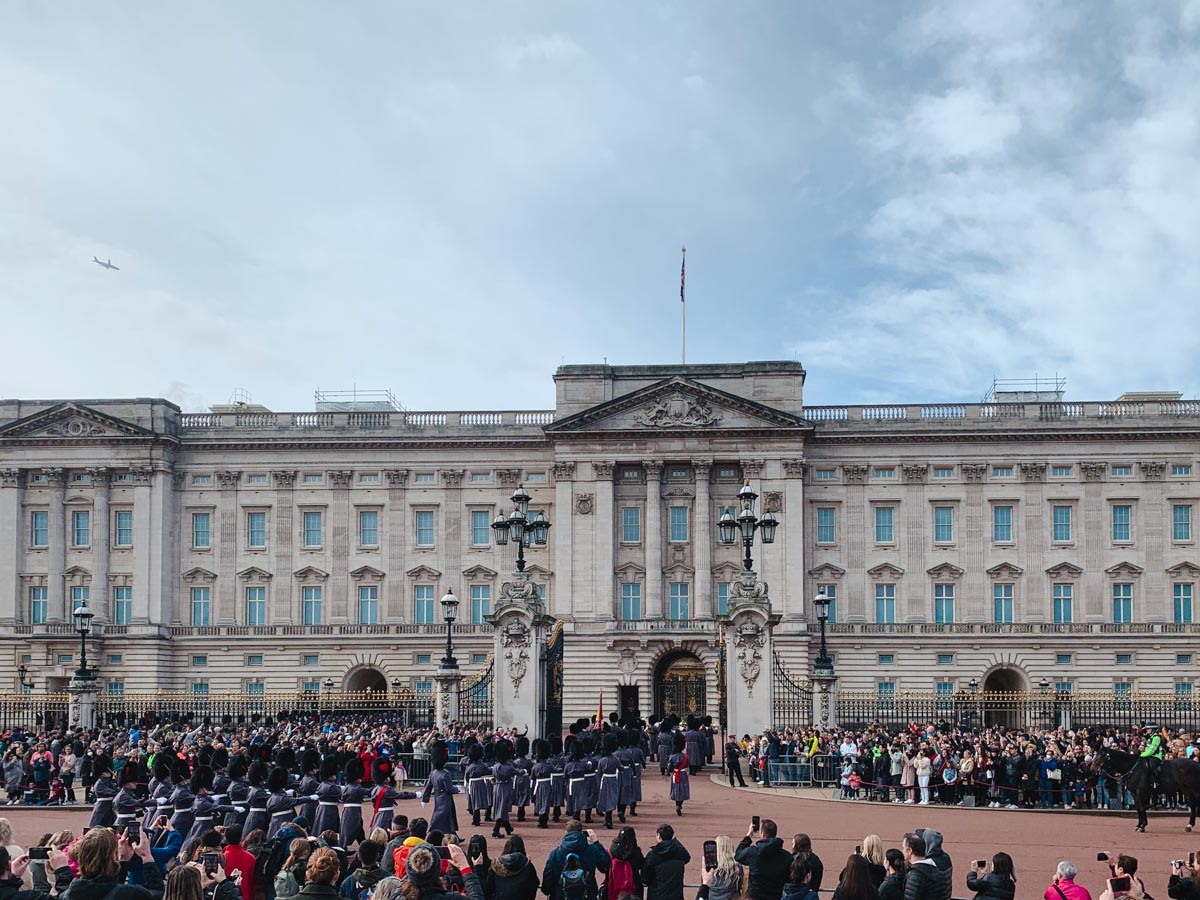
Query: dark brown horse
(1175,776)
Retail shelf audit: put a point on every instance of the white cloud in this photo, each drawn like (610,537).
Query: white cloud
(541,48)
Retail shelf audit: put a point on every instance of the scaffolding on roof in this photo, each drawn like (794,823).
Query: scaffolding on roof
(1026,390)
(356,400)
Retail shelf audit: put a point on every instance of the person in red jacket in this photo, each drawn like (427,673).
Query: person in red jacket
(238,859)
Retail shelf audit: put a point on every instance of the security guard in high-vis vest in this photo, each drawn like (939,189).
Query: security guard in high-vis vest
(1155,750)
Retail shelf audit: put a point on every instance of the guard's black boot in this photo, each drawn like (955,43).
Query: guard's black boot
(475,818)
(633,810)
(542,821)
(557,813)
(679,809)
(575,816)
(588,820)
(608,819)
(520,814)
(508,829)
(496,832)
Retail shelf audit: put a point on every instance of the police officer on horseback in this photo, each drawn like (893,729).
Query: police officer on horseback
(1154,750)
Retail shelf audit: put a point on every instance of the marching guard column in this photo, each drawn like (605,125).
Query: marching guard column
(520,625)
(749,650)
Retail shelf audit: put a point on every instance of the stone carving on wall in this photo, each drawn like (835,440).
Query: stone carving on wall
(396,477)
(179,479)
(229,479)
(143,476)
(914,474)
(773,501)
(974,471)
(748,641)
(677,411)
(748,589)
(508,477)
(284,479)
(702,468)
(564,471)
(628,664)
(653,469)
(452,478)
(855,474)
(603,469)
(340,478)
(76,427)
(1033,471)
(794,468)
(55,477)
(585,503)
(100,476)
(10,478)
(1153,470)
(515,640)
(1092,471)
(752,468)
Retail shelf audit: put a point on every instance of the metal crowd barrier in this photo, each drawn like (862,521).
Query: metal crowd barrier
(790,771)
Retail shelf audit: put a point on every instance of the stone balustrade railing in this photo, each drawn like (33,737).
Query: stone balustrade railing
(362,421)
(993,412)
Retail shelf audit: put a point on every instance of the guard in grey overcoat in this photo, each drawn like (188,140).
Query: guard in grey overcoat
(353,795)
(440,787)
(680,783)
(504,776)
(608,768)
(329,795)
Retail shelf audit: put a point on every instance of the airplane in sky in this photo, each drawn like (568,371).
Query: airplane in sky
(107,265)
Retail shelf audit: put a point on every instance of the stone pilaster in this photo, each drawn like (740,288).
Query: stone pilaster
(793,592)
(519,625)
(1152,518)
(604,517)
(563,541)
(702,540)
(342,608)
(13,524)
(56,553)
(224,598)
(654,540)
(1092,535)
(284,513)
(1034,593)
(858,606)
(149,604)
(101,593)
(396,535)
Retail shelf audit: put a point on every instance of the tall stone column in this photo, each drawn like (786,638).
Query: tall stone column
(794,603)
(749,653)
(82,703)
(606,520)
(564,540)
(1092,534)
(702,540)
(654,539)
(520,626)
(860,607)
(101,593)
(56,553)
(282,584)
(396,537)
(149,604)
(224,600)
(12,526)
(340,604)
(824,700)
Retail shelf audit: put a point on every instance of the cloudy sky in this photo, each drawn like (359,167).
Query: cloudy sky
(451,199)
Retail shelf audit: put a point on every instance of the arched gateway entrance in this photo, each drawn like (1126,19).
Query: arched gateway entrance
(367,679)
(680,685)
(1001,703)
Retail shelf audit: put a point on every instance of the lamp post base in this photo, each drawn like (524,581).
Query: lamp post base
(82,709)
(449,683)
(824,699)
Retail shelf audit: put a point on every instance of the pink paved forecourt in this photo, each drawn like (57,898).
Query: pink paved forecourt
(1036,840)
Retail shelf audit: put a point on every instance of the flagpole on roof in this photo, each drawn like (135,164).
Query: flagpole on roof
(682,309)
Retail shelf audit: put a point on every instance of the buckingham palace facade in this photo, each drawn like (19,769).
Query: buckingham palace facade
(1008,543)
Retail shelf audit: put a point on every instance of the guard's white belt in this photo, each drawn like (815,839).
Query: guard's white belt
(327,803)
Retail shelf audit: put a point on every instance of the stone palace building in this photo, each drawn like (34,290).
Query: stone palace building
(1010,543)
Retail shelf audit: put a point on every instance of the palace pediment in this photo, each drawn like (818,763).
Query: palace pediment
(677,405)
(71,422)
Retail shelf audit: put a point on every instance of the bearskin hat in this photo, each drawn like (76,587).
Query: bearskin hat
(257,773)
(220,758)
(575,750)
(180,772)
(475,753)
(286,757)
(354,771)
(489,752)
(707,720)
(692,723)
(503,751)
(328,768)
(613,717)
(610,743)
(522,746)
(237,769)
(677,742)
(162,770)
(277,781)
(439,754)
(670,723)
(204,755)
(310,761)
(541,750)
(556,744)
(381,770)
(575,727)
(202,780)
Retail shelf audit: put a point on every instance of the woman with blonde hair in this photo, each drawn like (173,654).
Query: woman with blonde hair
(321,874)
(725,881)
(290,880)
(872,852)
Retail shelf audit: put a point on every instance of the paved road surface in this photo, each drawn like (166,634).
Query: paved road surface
(1037,841)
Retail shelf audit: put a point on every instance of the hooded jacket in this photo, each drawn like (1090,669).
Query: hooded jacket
(514,878)
(769,866)
(361,879)
(935,851)
(591,856)
(663,871)
(925,881)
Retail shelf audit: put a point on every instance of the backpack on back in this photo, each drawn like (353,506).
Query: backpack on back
(620,878)
(572,883)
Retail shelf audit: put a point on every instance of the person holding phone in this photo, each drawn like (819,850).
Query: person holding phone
(726,875)
(768,864)
(1184,883)
(1064,887)
(999,882)
(106,864)
(12,872)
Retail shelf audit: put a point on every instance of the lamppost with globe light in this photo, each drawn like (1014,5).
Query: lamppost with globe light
(448,677)
(745,525)
(525,530)
(83,626)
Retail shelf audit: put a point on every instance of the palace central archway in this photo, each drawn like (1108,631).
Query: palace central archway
(1000,705)
(367,679)
(680,685)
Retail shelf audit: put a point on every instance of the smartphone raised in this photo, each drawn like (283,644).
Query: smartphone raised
(710,855)
(443,851)
(39,852)
(133,833)
(754,821)
(1191,859)
(1120,885)
(1101,856)
(211,862)
(981,863)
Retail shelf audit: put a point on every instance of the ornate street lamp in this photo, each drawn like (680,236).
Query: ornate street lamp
(1044,686)
(22,672)
(973,684)
(746,524)
(83,625)
(823,665)
(525,530)
(450,613)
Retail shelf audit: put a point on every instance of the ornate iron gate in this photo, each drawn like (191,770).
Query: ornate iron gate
(475,700)
(722,719)
(552,674)
(793,698)
(681,688)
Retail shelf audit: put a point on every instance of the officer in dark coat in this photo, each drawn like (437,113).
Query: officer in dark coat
(542,778)
(329,795)
(665,745)
(104,791)
(353,795)
(221,779)
(182,799)
(558,777)
(695,747)
(127,805)
(310,764)
(680,783)
(576,773)
(710,744)
(440,787)
(624,756)
(504,775)
(204,811)
(257,816)
(608,768)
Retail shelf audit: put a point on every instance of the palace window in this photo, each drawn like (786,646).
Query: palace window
(1062,659)
(1181,522)
(884,530)
(81,595)
(201,531)
(1121,527)
(885,472)
(1122,601)
(201,606)
(1121,471)
(1064,595)
(943,604)
(826,474)
(631,525)
(312,606)
(631,602)
(722,598)
(1061,471)
(81,529)
(679,524)
(423,605)
(256,606)
(943,471)
(256,530)
(481,528)
(39,529)
(886,694)
(122,605)
(368,527)
(679,601)
(368,605)
(481,603)
(38,605)
(1181,470)
(1002,527)
(831,593)
(826,525)
(201,479)
(373,478)
(1002,471)
(1182,595)
(313,530)
(425,528)
(885,603)
(258,478)
(1002,603)
(943,524)
(123,530)
(1062,524)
